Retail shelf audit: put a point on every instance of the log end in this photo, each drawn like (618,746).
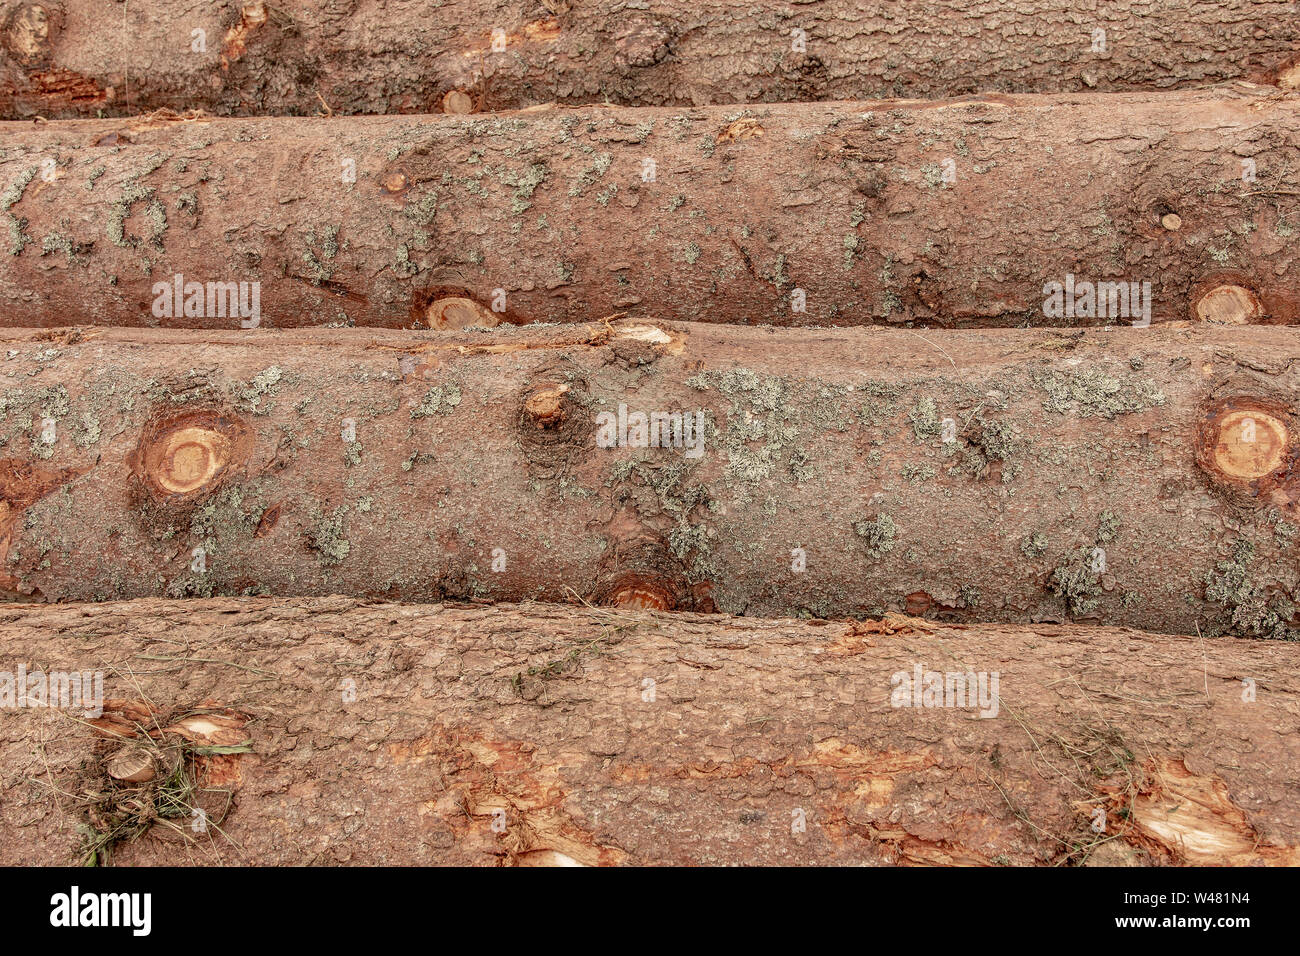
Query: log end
(29,33)
(1229,303)
(457,103)
(456,312)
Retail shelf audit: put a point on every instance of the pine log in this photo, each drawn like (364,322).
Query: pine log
(1145,477)
(392,734)
(65,58)
(956,213)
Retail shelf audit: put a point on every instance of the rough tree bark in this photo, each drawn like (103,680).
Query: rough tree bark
(848,206)
(1146,477)
(396,734)
(82,58)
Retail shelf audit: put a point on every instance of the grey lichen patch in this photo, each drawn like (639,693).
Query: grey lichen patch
(57,242)
(1108,525)
(925,419)
(673,493)
(762,433)
(192,586)
(87,431)
(880,404)
(850,250)
(692,254)
(254,396)
(132,193)
(1090,393)
(402,263)
(987,442)
(439,400)
(1076,582)
(18,238)
(778,276)
(8,199)
(31,410)
(222,519)
(156,215)
(328,537)
(524,184)
(878,534)
(599,166)
(418,458)
(933,177)
(918,474)
(1248,609)
(969,597)
(319,269)
(351,453)
(423,211)
(1034,545)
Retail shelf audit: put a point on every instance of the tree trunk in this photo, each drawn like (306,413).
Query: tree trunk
(389,734)
(957,213)
(1145,477)
(80,58)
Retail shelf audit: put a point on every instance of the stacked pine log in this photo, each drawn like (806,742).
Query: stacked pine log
(554,432)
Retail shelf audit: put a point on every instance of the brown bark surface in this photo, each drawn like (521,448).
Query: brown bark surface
(546,215)
(397,734)
(63,58)
(1145,477)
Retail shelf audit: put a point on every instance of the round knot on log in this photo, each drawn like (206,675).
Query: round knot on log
(131,764)
(394,182)
(253,13)
(544,408)
(190,454)
(642,596)
(190,459)
(1243,441)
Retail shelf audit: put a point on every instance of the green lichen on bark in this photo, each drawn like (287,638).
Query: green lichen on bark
(1248,609)
(1034,545)
(8,199)
(924,418)
(1108,525)
(1076,582)
(762,434)
(439,400)
(1090,393)
(878,534)
(328,537)
(253,396)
